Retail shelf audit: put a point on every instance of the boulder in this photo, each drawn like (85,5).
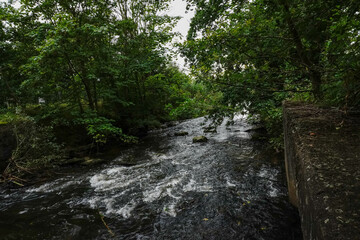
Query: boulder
(181,133)
(200,139)
(210,129)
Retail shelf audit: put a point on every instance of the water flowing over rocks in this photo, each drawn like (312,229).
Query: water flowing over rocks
(166,187)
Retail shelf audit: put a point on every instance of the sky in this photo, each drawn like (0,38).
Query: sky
(178,8)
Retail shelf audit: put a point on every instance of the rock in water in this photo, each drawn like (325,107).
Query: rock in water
(181,133)
(128,161)
(200,139)
(92,161)
(210,129)
(171,124)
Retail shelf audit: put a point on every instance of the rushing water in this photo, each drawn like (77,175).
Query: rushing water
(222,189)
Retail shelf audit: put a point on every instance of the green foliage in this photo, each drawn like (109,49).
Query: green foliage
(197,104)
(101,128)
(103,57)
(99,67)
(7,117)
(187,109)
(259,53)
(36,146)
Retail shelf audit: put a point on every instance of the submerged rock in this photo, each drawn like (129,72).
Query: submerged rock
(181,133)
(200,139)
(210,129)
(85,161)
(171,124)
(92,161)
(128,161)
(256,128)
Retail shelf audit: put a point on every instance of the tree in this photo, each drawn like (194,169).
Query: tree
(101,62)
(87,42)
(15,49)
(261,52)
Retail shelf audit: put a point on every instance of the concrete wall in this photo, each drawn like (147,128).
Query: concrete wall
(322,155)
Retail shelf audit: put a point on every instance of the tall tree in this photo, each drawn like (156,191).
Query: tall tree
(261,52)
(103,57)
(87,51)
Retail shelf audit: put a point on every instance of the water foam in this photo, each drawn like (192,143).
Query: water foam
(54,186)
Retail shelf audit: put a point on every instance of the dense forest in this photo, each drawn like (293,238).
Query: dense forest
(101,69)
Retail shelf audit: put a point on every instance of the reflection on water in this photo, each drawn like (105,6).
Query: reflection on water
(176,190)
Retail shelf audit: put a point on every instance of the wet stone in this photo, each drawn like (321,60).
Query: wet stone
(181,133)
(210,129)
(199,139)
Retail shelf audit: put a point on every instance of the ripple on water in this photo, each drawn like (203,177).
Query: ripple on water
(173,189)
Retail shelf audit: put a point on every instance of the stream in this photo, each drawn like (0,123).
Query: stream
(227,188)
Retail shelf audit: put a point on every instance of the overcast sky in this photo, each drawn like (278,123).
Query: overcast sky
(178,8)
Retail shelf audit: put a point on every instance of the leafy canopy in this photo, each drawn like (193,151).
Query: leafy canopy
(261,52)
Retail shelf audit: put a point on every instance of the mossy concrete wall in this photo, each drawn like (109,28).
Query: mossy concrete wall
(322,155)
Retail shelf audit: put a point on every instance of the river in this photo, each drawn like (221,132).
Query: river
(226,188)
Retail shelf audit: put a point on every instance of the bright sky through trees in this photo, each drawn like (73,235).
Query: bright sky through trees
(178,8)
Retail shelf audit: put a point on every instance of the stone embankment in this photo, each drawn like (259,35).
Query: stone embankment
(322,155)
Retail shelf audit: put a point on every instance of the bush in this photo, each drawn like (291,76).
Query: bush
(101,128)
(36,146)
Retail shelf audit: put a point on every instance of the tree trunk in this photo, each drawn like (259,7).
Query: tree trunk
(95,96)
(88,94)
(80,106)
(315,77)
